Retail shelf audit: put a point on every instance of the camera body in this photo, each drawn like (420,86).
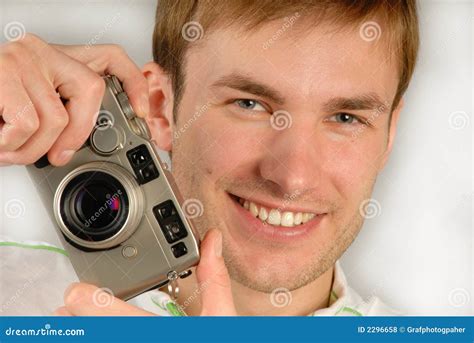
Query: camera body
(116,206)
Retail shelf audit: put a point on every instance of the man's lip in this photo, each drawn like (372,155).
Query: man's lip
(250,226)
(282,206)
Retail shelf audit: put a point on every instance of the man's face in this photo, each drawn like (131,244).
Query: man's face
(318,170)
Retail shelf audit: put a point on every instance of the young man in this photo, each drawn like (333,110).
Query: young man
(279,117)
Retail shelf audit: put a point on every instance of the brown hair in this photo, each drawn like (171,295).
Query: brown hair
(169,47)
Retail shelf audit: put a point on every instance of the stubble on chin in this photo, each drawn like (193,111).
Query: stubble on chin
(269,277)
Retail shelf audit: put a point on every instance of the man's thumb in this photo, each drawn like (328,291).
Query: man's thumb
(213,278)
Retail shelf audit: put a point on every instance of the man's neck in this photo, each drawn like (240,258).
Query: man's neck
(248,302)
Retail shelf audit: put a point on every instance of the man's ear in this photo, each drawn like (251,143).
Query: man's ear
(392,132)
(160,119)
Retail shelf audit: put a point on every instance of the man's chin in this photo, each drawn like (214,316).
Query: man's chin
(272,274)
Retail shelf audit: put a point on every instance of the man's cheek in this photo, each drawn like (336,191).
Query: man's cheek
(230,151)
(350,171)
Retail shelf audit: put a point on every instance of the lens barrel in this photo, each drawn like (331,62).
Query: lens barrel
(94,206)
(98,205)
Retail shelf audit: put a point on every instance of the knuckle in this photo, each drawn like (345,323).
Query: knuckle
(21,51)
(7,61)
(97,85)
(13,52)
(30,125)
(31,38)
(21,46)
(59,121)
(116,49)
(59,117)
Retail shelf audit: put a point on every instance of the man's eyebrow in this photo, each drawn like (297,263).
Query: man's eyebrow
(249,85)
(369,101)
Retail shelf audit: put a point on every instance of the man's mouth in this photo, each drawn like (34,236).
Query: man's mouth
(270,220)
(275,216)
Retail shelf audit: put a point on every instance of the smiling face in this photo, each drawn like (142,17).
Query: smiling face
(285,192)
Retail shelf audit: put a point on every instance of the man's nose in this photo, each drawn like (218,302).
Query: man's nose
(293,160)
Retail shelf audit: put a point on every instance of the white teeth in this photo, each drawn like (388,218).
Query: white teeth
(287,219)
(298,218)
(253,209)
(274,216)
(307,216)
(263,214)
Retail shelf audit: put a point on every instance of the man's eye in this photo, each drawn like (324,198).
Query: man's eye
(344,118)
(249,104)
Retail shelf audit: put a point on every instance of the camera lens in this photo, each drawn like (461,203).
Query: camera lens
(94,206)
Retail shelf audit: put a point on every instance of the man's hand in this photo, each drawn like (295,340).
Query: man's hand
(212,275)
(34,75)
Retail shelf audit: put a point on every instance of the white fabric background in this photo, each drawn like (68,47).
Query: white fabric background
(417,253)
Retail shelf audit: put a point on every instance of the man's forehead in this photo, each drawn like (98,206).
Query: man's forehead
(308,62)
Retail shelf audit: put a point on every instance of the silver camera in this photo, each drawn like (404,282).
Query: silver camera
(116,206)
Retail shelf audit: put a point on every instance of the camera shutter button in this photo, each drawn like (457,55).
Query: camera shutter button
(106,141)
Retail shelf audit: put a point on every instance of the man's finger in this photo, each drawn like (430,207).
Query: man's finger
(19,116)
(83,109)
(112,59)
(51,113)
(82,299)
(213,278)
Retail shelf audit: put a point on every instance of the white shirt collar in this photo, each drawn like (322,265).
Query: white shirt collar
(344,301)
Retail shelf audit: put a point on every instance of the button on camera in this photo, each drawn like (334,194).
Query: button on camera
(170,221)
(166,209)
(174,232)
(179,249)
(139,156)
(148,172)
(142,164)
(106,141)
